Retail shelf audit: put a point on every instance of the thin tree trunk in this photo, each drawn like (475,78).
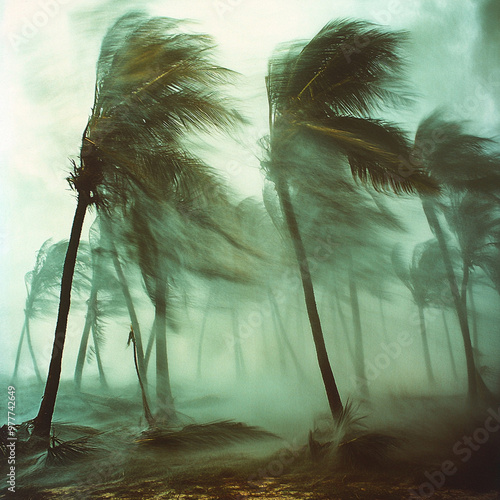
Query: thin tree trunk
(26,332)
(382,316)
(430,213)
(165,403)
(202,335)
(359,359)
(133,315)
(279,342)
(102,376)
(425,345)
(43,421)
(82,352)
(331,389)
(19,349)
(238,354)
(286,340)
(343,323)
(32,352)
(450,347)
(145,404)
(473,311)
(149,347)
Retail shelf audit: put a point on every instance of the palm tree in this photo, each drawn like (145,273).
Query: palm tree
(41,287)
(153,85)
(462,163)
(423,276)
(323,91)
(104,300)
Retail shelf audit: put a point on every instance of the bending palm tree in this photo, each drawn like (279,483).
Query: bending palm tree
(323,91)
(153,84)
(461,163)
(424,278)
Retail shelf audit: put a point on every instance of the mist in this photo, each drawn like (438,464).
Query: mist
(281,289)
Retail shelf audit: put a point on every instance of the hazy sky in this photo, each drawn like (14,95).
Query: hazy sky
(49,50)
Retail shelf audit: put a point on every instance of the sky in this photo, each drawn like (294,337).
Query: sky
(48,53)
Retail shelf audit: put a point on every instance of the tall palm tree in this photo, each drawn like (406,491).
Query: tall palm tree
(153,84)
(325,90)
(462,163)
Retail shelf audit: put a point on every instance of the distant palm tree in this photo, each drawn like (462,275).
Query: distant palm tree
(324,91)
(104,301)
(424,277)
(462,163)
(153,84)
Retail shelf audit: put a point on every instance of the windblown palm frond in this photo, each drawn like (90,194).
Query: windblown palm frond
(454,157)
(425,275)
(328,88)
(153,85)
(475,220)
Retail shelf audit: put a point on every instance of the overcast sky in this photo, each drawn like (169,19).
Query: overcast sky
(49,50)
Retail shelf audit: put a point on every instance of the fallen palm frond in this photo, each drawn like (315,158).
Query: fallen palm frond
(203,435)
(63,453)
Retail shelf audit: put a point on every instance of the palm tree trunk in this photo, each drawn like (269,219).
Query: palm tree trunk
(450,347)
(149,347)
(26,332)
(43,421)
(279,343)
(238,354)
(425,345)
(331,389)
(82,352)
(432,219)
(473,311)
(382,317)
(133,315)
(32,352)
(359,358)
(343,322)
(19,349)
(102,376)
(202,336)
(165,403)
(279,321)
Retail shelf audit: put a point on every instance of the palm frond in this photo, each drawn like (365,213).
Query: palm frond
(209,435)
(459,159)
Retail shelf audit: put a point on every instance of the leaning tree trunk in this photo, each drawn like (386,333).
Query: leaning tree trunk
(450,347)
(425,345)
(165,402)
(473,314)
(26,331)
(43,421)
(343,323)
(98,359)
(275,311)
(82,352)
(359,358)
(238,352)
(128,300)
(461,312)
(331,389)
